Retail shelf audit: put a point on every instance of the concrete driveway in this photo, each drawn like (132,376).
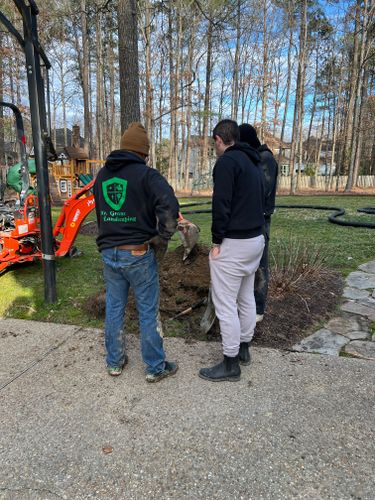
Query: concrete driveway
(295,426)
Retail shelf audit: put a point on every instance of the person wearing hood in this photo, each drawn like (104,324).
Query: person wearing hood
(237,246)
(137,215)
(270,168)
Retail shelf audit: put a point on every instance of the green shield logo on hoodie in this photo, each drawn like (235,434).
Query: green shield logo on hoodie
(114,192)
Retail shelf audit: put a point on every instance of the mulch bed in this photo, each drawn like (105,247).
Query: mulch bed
(291,314)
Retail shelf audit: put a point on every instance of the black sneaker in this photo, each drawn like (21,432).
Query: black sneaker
(169,369)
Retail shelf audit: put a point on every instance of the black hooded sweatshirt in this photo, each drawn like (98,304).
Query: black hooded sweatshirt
(133,202)
(238,197)
(270,170)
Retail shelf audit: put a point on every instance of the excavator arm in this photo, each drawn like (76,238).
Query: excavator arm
(73,213)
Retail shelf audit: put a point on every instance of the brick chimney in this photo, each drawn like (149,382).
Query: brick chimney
(76,140)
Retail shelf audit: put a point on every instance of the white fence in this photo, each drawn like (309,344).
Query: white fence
(320,183)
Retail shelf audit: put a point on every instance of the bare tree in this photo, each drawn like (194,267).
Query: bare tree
(128,62)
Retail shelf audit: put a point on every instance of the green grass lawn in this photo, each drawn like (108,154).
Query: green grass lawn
(22,292)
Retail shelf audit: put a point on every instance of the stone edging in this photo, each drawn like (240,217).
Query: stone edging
(350,332)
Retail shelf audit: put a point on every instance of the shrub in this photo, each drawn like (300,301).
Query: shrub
(292,261)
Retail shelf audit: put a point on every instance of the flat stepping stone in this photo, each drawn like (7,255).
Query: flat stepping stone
(355,293)
(368,301)
(361,280)
(358,308)
(360,349)
(348,323)
(368,267)
(356,335)
(322,342)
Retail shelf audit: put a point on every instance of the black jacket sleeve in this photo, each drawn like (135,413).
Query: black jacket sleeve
(224,181)
(165,204)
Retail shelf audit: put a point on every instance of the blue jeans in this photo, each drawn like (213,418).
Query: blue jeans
(123,270)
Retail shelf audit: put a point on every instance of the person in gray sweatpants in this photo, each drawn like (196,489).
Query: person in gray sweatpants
(237,247)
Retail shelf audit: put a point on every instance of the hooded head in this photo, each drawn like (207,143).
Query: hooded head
(249,135)
(135,139)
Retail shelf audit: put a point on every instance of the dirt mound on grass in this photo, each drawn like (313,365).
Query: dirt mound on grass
(290,313)
(89,228)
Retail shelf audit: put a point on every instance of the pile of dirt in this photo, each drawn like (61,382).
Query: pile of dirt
(89,229)
(290,313)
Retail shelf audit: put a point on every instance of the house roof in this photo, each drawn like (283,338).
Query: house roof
(76,153)
(274,142)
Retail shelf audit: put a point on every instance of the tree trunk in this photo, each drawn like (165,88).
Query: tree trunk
(111,115)
(318,151)
(206,111)
(189,108)
(301,94)
(235,86)
(265,82)
(99,89)
(128,62)
(348,141)
(288,83)
(149,112)
(277,98)
(313,109)
(337,105)
(85,76)
(174,70)
(361,97)
(299,104)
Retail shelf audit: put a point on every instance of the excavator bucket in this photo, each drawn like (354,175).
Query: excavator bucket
(189,234)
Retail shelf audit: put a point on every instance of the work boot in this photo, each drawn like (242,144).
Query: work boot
(244,353)
(229,369)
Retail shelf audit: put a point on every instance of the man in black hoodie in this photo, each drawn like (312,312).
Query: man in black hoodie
(237,246)
(269,165)
(137,214)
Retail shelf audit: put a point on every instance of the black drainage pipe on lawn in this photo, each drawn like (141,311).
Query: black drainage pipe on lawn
(337,212)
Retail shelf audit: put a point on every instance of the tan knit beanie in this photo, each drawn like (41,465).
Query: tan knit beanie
(135,139)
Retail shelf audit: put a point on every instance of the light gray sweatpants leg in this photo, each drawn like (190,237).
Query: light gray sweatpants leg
(232,278)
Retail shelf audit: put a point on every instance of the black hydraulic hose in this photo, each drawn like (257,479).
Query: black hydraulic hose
(337,212)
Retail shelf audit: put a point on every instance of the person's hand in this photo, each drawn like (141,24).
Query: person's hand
(159,245)
(215,251)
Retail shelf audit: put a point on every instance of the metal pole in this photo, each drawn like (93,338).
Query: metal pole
(39,133)
(39,77)
(48,103)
